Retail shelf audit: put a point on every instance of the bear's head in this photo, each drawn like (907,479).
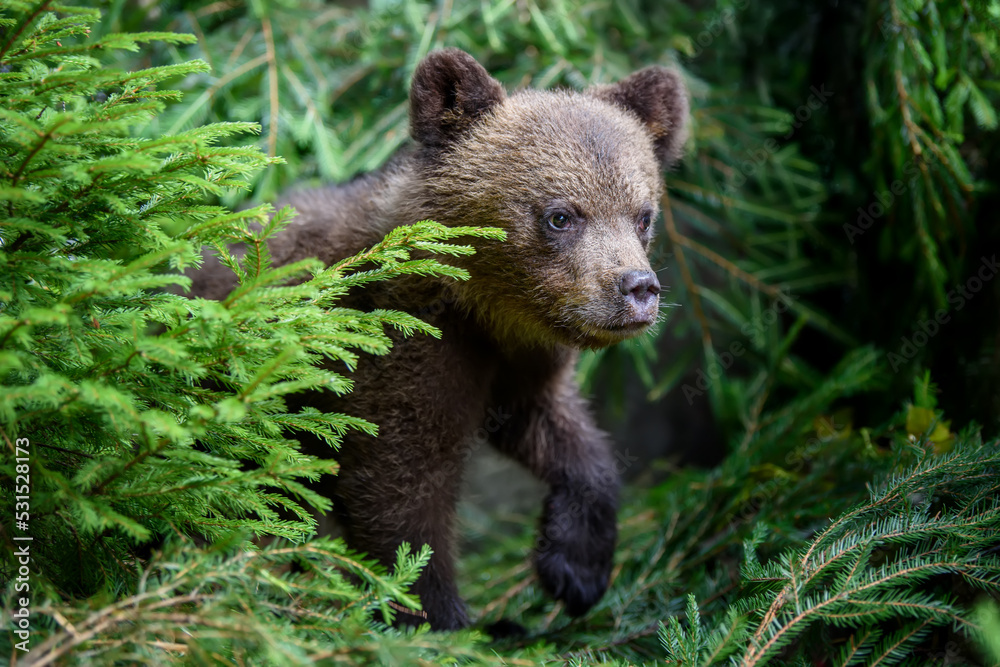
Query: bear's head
(574,178)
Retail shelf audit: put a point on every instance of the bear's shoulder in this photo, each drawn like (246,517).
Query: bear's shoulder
(336,221)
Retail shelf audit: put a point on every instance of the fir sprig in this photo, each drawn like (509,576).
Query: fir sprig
(287,604)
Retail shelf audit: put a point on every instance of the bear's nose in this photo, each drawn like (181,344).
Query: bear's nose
(640,286)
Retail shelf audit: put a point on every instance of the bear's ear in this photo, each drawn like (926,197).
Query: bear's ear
(659,98)
(450,91)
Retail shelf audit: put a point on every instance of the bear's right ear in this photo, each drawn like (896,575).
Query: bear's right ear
(450,92)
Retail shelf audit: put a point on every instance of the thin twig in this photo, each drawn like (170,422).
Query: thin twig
(677,240)
(736,271)
(272,79)
(904,108)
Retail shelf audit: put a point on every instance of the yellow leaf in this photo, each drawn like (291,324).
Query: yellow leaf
(918,423)
(838,425)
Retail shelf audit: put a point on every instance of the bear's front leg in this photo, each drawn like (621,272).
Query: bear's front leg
(403,485)
(576,541)
(399,492)
(553,434)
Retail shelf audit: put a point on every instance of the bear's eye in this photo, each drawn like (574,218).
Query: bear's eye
(645,220)
(559,220)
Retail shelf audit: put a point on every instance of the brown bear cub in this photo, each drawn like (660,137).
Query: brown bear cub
(574,179)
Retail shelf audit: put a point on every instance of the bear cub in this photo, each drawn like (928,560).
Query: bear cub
(574,178)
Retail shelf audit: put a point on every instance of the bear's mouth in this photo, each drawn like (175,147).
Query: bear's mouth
(596,335)
(626,327)
(628,321)
(599,327)
(615,331)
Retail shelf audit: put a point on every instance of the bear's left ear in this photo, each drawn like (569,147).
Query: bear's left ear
(450,91)
(659,98)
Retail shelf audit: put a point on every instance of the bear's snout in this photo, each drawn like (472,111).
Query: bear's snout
(641,289)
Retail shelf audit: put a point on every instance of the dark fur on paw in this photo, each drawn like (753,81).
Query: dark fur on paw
(575,547)
(505,629)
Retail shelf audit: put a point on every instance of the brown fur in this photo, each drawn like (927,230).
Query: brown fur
(510,334)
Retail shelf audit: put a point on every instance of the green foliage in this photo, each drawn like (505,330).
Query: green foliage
(285,604)
(693,645)
(915,81)
(937,520)
(874,563)
(151,548)
(988,618)
(329,83)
